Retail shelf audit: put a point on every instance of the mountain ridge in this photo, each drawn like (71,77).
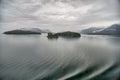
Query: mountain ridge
(110,30)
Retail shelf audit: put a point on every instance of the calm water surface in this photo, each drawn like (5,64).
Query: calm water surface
(35,57)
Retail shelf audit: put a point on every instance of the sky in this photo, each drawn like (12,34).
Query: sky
(58,14)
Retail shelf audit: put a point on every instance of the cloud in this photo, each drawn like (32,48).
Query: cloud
(63,13)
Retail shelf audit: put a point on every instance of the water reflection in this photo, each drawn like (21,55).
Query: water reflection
(57,37)
(34,57)
(52,37)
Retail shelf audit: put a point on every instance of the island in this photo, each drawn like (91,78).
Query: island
(27,31)
(21,32)
(67,34)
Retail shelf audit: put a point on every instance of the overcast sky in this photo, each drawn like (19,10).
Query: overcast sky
(59,14)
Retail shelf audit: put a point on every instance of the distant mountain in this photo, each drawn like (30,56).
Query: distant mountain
(35,30)
(111,30)
(91,30)
(27,31)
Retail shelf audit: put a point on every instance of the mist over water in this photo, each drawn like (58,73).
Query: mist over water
(34,57)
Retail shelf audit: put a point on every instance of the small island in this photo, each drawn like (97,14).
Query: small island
(67,34)
(21,32)
(27,31)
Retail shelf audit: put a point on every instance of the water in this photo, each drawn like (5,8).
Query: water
(35,57)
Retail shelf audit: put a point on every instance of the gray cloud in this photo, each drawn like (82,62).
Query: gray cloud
(69,14)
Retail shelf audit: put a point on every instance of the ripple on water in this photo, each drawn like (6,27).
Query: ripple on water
(37,58)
